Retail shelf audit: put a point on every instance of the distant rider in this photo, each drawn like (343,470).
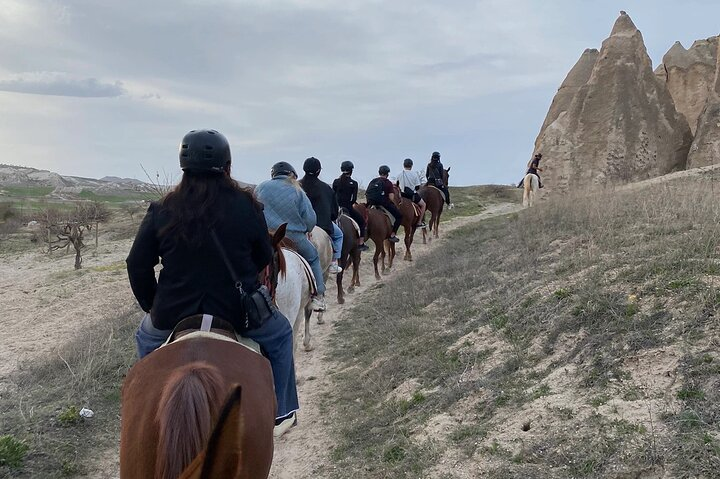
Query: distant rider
(381,192)
(286,202)
(409,182)
(346,190)
(325,205)
(434,174)
(533,167)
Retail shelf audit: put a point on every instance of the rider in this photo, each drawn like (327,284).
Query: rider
(286,202)
(346,190)
(434,174)
(194,277)
(325,205)
(381,192)
(410,182)
(533,167)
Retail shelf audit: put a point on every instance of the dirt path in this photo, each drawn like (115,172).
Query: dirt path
(304,451)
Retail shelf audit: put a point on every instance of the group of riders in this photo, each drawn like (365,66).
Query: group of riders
(211,237)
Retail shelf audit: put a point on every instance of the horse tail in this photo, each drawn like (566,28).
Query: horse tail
(186,414)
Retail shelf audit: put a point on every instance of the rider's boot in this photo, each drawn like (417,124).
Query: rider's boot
(334,267)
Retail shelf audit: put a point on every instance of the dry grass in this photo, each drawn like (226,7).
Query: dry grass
(576,339)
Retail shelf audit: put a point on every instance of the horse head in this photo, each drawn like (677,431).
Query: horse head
(446,176)
(269,276)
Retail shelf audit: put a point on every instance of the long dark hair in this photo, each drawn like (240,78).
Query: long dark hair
(198,203)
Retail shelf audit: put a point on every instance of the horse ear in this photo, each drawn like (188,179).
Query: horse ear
(397,183)
(448,170)
(279,234)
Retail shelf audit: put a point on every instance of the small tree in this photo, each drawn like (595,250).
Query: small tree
(159,186)
(65,229)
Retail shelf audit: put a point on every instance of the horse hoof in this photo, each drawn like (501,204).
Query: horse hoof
(341,300)
(351,289)
(377,277)
(321,320)
(309,347)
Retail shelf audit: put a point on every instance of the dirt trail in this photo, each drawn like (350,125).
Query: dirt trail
(304,451)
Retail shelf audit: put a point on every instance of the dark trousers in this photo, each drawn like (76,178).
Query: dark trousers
(438,184)
(354,214)
(520,185)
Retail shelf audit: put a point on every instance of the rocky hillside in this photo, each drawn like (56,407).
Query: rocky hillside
(615,121)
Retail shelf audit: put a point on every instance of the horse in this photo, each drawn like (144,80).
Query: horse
(378,229)
(410,218)
(293,296)
(323,244)
(531,184)
(350,253)
(435,202)
(200,407)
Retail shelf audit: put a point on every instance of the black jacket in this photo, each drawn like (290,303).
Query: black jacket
(323,201)
(346,191)
(194,279)
(434,172)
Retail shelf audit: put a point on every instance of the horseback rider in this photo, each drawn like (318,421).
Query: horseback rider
(381,192)
(409,182)
(434,174)
(533,167)
(346,190)
(325,205)
(286,202)
(195,279)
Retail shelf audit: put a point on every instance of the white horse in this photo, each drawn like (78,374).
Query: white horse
(293,293)
(531,184)
(323,244)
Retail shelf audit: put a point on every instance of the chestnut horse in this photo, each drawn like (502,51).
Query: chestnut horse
(410,218)
(349,254)
(378,229)
(198,408)
(435,201)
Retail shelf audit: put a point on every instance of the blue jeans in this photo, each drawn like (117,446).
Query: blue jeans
(275,337)
(337,241)
(307,250)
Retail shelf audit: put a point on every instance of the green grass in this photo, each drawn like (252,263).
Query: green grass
(27,191)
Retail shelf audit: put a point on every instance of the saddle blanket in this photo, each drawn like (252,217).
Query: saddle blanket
(384,211)
(353,222)
(308,270)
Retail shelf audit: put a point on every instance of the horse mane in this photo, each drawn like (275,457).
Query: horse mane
(186,415)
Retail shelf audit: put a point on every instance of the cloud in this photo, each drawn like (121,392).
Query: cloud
(61,84)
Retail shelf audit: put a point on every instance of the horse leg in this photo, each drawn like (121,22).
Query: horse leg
(306,341)
(375,260)
(408,242)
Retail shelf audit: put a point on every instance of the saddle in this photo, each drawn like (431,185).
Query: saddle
(208,326)
(306,268)
(384,211)
(352,221)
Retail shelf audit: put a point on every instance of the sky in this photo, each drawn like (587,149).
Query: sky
(105,88)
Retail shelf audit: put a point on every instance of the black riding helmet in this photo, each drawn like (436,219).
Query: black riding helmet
(282,168)
(312,166)
(435,156)
(407,163)
(347,167)
(204,151)
(384,170)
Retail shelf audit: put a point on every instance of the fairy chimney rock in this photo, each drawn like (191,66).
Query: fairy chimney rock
(620,126)
(689,76)
(705,149)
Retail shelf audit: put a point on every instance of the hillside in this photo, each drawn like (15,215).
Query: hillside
(575,339)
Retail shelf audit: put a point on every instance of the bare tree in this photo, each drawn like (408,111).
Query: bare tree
(67,228)
(160,185)
(131,209)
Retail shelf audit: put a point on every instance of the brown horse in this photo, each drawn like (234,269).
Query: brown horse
(435,201)
(349,254)
(410,218)
(378,229)
(183,415)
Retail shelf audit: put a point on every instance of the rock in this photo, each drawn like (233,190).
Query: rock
(689,76)
(705,149)
(621,125)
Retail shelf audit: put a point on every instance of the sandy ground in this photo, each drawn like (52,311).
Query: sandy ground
(45,302)
(304,451)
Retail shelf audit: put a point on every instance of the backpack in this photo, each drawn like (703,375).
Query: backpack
(375,191)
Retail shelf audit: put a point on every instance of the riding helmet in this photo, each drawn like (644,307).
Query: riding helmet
(435,155)
(312,166)
(384,170)
(204,151)
(282,168)
(407,163)
(347,167)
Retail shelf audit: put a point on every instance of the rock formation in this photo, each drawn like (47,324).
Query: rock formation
(689,75)
(705,149)
(620,126)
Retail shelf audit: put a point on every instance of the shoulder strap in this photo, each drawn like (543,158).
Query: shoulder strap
(226,260)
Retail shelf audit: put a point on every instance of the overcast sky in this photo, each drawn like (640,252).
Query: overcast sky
(101,87)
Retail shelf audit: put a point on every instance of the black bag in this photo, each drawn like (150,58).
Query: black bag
(257,306)
(375,191)
(408,193)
